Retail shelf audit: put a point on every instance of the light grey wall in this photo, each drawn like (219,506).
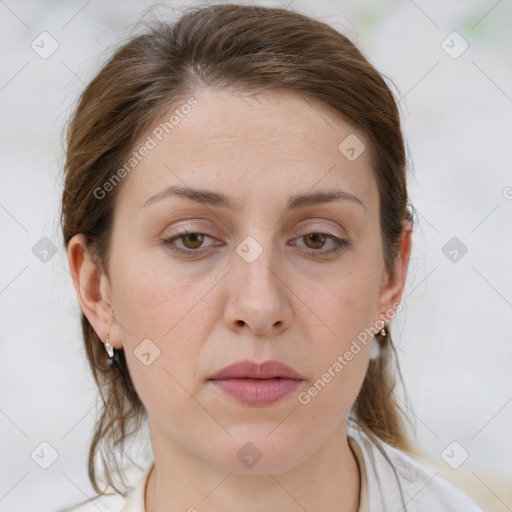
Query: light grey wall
(454,332)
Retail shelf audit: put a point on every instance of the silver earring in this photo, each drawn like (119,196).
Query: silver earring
(375,349)
(108,347)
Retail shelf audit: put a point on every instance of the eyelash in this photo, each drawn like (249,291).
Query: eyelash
(340,244)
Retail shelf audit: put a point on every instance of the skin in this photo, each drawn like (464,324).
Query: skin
(206,311)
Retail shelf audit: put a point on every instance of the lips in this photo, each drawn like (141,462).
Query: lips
(257,384)
(251,370)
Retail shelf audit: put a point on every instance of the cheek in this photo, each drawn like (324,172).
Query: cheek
(170,322)
(340,357)
(346,308)
(344,352)
(341,315)
(152,297)
(164,315)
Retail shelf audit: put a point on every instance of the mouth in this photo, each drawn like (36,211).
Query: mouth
(257,392)
(256,384)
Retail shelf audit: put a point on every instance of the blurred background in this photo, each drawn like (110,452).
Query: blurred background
(450,63)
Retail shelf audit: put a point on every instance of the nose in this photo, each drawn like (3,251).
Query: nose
(259,297)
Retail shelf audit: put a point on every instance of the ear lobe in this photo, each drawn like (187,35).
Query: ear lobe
(393,285)
(92,288)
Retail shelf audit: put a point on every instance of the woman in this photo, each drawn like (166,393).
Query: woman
(236,217)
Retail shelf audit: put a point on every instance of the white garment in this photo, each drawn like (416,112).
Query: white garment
(423,490)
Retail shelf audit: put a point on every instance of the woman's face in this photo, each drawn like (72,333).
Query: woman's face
(263,280)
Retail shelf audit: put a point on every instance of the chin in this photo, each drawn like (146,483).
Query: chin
(252,451)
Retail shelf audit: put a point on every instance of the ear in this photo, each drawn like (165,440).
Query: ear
(93,290)
(392,286)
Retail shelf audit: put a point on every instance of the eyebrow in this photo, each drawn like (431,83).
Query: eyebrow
(221,200)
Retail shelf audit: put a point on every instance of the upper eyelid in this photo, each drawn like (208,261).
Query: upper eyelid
(186,231)
(315,228)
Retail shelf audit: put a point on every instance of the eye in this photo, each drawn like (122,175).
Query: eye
(315,242)
(191,241)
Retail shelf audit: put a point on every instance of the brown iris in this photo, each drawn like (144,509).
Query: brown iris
(197,240)
(317,238)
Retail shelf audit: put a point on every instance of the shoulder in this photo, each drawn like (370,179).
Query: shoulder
(395,479)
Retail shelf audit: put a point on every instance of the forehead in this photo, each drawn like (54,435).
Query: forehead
(283,122)
(274,142)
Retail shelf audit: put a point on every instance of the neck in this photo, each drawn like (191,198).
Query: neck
(181,481)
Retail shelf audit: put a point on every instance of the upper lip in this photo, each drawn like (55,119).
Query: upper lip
(252,370)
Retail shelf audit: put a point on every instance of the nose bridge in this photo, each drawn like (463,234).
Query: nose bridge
(258,261)
(258,297)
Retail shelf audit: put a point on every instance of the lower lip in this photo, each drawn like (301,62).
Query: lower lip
(257,391)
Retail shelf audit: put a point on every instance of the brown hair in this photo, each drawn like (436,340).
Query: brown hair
(244,48)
